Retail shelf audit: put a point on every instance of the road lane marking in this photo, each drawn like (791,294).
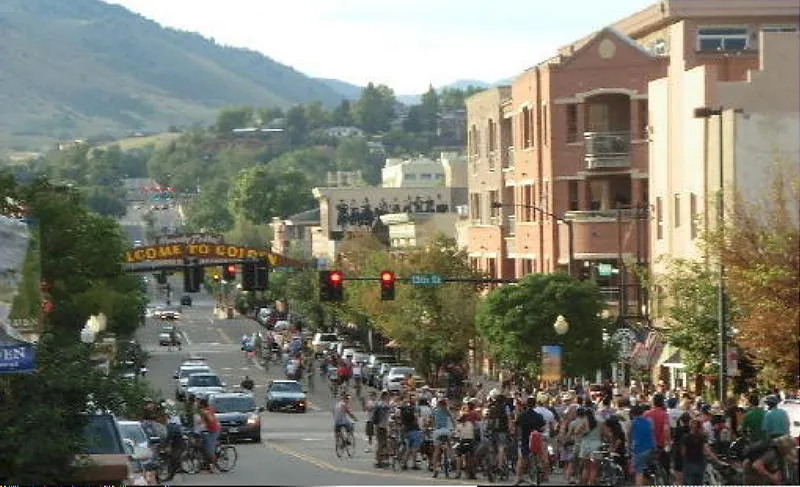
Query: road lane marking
(225,337)
(186,337)
(354,471)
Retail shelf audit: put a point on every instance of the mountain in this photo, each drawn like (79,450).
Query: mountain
(458,84)
(348,90)
(76,68)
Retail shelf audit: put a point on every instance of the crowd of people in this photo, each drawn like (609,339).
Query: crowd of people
(675,433)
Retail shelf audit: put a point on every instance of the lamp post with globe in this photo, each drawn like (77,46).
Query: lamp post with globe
(561,325)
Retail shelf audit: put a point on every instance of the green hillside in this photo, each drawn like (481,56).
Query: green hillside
(80,68)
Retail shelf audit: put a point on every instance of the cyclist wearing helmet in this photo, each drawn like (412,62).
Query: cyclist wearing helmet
(776,420)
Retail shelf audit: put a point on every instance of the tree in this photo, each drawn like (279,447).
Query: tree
(430,110)
(343,114)
(759,244)
(691,310)
(516,320)
(314,163)
(434,324)
(209,211)
(375,108)
(317,116)
(233,118)
(106,201)
(258,194)
(80,254)
(297,125)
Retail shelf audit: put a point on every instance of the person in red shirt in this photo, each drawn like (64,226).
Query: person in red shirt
(211,433)
(660,419)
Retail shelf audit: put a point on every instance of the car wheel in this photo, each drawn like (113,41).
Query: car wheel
(269,407)
(257,438)
(302,410)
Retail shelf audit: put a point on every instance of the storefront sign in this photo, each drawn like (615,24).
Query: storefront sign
(201,250)
(17,358)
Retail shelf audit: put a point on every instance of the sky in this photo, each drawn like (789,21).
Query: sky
(405,44)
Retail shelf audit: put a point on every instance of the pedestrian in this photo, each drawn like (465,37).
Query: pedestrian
(369,405)
(695,449)
(212,429)
(643,443)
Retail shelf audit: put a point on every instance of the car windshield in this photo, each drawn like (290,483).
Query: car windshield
(233,404)
(204,381)
(101,437)
(187,372)
(285,387)
(133,432)
(402,371)
(167,329)
(327,337)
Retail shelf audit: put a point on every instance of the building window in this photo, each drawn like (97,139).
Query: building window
(545,135)
(427,176)
(473,141)
(527,140)
(779,28)
(572,122)
(494,212)
(722,39)
(693,214)
(677,209)
(475,207)
(573,195)
(659,218)
(411,176)
(439,176)
(658,47)
(492,139)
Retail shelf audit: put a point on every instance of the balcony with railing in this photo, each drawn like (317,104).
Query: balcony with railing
(607,149)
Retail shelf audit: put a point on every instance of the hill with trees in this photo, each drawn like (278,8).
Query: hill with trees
(84,68)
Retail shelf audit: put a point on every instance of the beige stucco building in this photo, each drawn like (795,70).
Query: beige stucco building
(760,123)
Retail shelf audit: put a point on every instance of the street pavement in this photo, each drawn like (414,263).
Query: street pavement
(296,449)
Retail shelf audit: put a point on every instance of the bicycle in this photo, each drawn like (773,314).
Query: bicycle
(446,458)
(345,441)
(193,459)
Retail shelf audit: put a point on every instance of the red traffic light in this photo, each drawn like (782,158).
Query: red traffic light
(231,268)
(387,277)
(335,277)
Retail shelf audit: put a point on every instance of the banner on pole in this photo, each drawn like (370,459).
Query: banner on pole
(551,363)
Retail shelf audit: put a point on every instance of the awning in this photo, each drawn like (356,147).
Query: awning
(674,361)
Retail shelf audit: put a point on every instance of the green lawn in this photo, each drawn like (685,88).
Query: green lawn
(140,142)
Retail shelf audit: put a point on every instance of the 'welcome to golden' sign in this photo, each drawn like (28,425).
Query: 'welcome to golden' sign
(198,250)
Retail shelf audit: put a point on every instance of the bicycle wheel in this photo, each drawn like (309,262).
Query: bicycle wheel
(339,443)
(226,458)
(349,443)
(400,453)
(190,461)
(164,471)
(444,461)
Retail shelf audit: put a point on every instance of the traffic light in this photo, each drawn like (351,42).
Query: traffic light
(229,272)
(161,277)
(262,275)
(192,276)
(249,276)
(387,286)
(255,275)
(330,285)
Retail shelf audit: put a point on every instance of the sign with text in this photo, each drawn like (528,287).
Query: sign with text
(178,251)
(426,280)
(17,358)
(190,238)
(551,363)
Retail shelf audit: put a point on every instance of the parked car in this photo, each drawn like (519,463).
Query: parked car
(321,341)
(186,300)
(204,384)
(133,432)
(104,459)
(238,414)
(168,314)
(393,381)
(286,395)
(792,408)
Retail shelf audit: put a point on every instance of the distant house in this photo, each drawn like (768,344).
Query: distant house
(342,132)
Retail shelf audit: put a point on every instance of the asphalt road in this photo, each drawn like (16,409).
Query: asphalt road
(297,449)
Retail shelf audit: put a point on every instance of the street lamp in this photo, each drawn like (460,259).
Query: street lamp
(707,113)
(561,326)
(560,219)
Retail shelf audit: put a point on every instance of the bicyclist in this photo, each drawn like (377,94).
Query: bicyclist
(764,461)
(442,424)
(528,421)
(498,424)
(342,415)
(212,429)
(411,432)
